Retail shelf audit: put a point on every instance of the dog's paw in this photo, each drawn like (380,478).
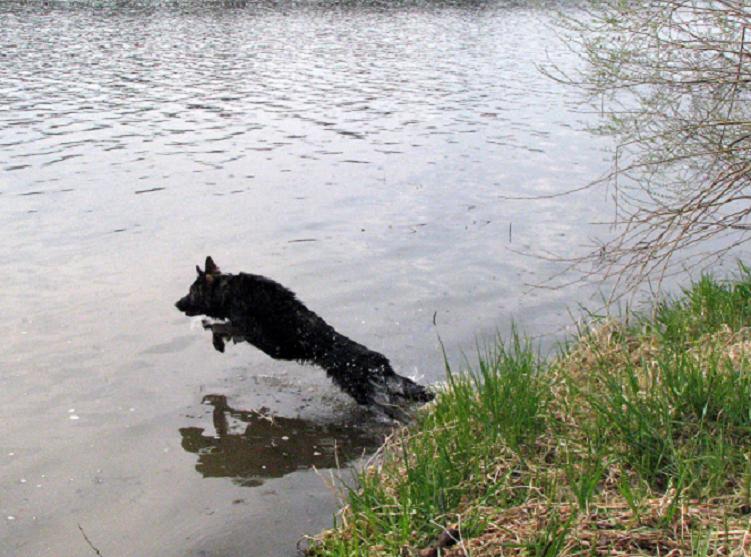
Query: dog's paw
(218,341)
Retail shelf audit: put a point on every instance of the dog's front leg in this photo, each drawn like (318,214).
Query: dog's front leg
(221,332)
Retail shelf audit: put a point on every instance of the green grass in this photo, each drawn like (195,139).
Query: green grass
(600,451)
(499,407)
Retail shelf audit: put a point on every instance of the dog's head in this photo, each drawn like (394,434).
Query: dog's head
(199,300)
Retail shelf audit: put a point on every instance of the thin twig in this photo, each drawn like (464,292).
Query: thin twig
(88,541)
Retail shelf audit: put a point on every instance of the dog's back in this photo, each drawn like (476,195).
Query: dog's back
(272,318)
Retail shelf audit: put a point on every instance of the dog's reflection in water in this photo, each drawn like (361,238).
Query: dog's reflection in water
(269,446)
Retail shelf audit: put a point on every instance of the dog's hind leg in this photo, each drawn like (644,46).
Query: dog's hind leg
(406,389)
(391,393)
(376,385)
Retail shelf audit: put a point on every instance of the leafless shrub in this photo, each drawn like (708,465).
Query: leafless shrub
(672,81)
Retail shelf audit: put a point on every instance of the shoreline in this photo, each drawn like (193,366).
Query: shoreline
(632,441)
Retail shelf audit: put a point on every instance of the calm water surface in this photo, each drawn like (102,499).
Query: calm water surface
(359,153)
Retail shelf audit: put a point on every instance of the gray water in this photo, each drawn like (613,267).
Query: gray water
(359,153)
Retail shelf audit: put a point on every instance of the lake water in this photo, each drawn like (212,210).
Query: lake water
(361,153)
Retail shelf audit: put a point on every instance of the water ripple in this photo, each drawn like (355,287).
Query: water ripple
(126,79)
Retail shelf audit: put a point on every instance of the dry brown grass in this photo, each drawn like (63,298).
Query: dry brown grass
(612,528)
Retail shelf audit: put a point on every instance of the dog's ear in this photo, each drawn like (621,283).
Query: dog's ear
(211,267)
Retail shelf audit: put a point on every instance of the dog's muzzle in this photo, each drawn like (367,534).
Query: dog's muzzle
(183,304)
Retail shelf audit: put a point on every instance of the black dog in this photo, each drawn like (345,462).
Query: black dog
(270,317)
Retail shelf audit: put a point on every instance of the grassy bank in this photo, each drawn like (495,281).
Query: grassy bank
(635,440)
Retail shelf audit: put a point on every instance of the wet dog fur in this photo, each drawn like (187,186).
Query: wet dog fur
(264,313)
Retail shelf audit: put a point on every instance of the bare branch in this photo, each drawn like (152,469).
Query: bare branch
(671,80)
